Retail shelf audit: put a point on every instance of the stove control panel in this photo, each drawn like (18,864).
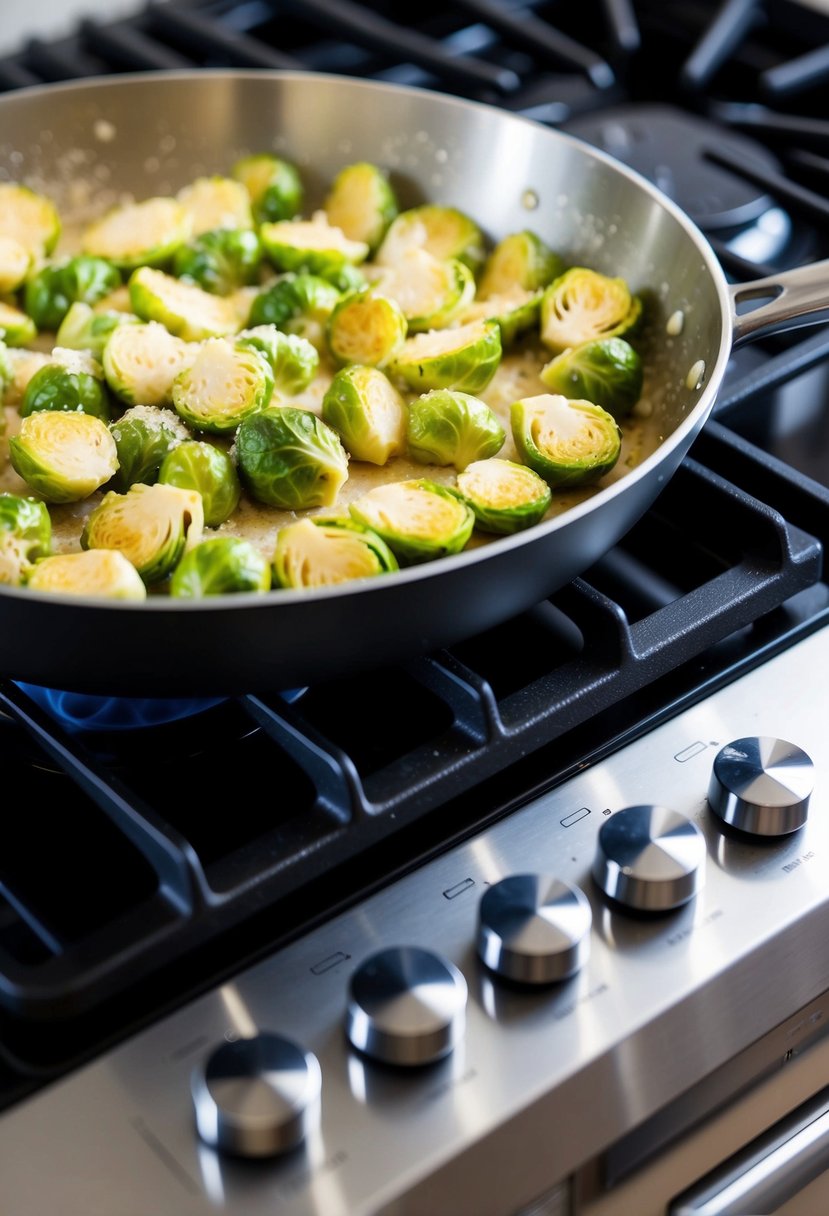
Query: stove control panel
(534,929)
(650,858)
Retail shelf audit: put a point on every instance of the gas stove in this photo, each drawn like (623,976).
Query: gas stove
(303,1001)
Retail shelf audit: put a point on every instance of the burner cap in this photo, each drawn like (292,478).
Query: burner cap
(669,147)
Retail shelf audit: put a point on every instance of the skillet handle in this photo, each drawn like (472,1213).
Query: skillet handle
(794,297)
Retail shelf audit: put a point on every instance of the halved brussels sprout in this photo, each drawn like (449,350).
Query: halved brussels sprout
(25,536)
(312,245)
(196,465)
(514,312)
(216,202)
(568,443)
(607,372)
(362,203)
(419,520)
(447,427)
(299,304)
(116,301)
(84,328)
(22,365)
(50,293)
(63,457)
(139,234)
(444,232)
(465,358)
(29,218)
(144,435)
(220,260)
(324,551)
(101,573)
(16,328)
(293,361)
(582,305)
(366,328)
(521,260)
(223,565)
(506,497)
(289,458)
(367,411)
(184,309)
(431,293)
(15,263)
(151,525)
(224,384)
(56,387)
(141,361)
(273,185)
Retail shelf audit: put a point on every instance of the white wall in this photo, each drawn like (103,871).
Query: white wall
(20,19)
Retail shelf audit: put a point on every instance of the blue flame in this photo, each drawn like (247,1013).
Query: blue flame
(78,711)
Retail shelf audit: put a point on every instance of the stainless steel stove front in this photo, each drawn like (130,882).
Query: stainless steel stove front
(669,1017)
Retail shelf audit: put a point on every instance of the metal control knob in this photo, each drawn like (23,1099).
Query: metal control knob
(534,929)
(762,785)
(257,1097)
(406,1006)
(650,858)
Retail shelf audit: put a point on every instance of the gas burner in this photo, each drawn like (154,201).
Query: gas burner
(673,150)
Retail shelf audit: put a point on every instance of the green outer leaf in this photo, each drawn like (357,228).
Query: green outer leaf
(25,536)
(197,465)
(468,368)
(560,470)
(220,260)
(521,514)
(380,555)
(410,547)
(607,372)
(367,411)
(55,388)
(16,327)
(141,450)
(292,297)
(446,427)
(290,458)
(293,360)
(49,294)
(274,186)
(84,329)
(223,565)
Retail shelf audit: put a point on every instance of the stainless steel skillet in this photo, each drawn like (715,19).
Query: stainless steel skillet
(153,133)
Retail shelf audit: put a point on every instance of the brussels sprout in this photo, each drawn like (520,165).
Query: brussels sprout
(143,436)
(444,232)
(431,293)
(142,361)
(139,234)
(514,313)
(28,218)
(366,328)
(116,301)
(101,573)
(273,185)
(367,411)
(15,263)
(63,457)
(312,245)
(56,387)
(22,364)
(419,520)
(568,443)
(321,552)
(195,465)
(506,497)
(7,374)
(224,384)
(53,289)
(16,328)
(293,360)
(151,525)
(299,304)
(607,372)
(85,329)
(289,458)
(216,202)
(465,358)
(581,305)
(184,309)
(220,260)
(25,536)
(452,428)
(521,260)
(220,566)
(346,278)
(362,203)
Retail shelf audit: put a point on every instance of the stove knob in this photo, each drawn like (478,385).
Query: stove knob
(534,929)
(257,1097)
(406,1006)
(650,858)
(761,785)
